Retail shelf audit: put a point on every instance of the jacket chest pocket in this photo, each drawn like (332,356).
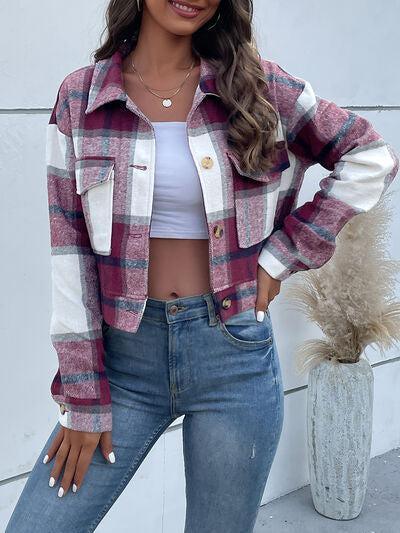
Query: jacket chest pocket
(95,185)
(256,197)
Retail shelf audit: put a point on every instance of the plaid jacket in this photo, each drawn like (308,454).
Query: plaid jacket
(100,155)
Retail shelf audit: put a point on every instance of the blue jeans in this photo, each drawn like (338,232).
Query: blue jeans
(225,379)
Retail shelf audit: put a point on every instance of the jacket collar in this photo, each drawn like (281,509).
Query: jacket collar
(107,81)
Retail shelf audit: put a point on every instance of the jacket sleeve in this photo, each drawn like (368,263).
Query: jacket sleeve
(80,386)
(362,167)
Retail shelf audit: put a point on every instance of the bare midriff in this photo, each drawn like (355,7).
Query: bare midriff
(177,267)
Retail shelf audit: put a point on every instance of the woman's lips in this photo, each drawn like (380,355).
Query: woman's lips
(186,13)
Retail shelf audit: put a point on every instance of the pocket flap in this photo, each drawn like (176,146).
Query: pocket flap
(279,163)
(91,171)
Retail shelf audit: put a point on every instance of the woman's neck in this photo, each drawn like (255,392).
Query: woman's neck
(158,53)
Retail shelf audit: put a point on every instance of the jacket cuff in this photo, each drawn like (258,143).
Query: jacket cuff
(273,266)
(89,418)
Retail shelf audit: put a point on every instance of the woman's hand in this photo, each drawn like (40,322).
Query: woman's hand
(75,449)
(267,288)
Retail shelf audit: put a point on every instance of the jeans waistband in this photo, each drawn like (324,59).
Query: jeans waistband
(183,308)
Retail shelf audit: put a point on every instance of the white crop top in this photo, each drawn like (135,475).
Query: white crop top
(178,207)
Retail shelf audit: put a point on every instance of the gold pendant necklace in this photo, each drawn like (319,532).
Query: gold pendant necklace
(166,102)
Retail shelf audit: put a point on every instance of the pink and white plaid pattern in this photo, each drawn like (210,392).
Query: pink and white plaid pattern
(100,172)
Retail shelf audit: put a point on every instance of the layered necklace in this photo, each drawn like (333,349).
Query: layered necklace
(166,102)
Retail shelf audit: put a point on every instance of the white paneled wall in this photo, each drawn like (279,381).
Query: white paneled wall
(349,54)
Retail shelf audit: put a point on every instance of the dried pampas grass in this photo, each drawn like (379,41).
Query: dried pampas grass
(352,296)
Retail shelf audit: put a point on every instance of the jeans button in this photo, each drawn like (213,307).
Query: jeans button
(173,309)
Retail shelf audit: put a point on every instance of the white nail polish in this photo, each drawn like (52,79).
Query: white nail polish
(74,488)
(51,482)
(60,492)
(260,316)
(45,458)
(111,456)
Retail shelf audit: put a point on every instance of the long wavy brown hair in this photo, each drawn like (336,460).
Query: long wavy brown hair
(240,80)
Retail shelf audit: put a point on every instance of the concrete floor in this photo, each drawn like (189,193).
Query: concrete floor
(295,513)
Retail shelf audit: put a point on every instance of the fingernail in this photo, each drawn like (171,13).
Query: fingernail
(260,316)
(74,487)
(45,458)
(51,482)
(60,492)
(111,457)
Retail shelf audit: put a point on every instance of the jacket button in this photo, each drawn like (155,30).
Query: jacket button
(62,408)
(207,162)
(226,303)
(218,231)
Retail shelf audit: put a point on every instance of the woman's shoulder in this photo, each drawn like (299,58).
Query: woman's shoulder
(71,97)
(78,79)
(285,86)
(276,73)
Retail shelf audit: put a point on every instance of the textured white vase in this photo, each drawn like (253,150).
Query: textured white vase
(339,430)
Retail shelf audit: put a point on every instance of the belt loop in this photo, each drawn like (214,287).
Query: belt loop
(212,318)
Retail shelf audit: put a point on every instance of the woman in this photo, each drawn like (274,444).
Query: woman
(174,166)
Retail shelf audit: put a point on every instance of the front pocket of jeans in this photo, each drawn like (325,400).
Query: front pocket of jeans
(95,184)
(243,329)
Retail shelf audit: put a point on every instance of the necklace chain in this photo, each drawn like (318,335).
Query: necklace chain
(166,102)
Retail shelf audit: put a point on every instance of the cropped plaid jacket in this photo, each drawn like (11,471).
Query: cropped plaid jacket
(100,155)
